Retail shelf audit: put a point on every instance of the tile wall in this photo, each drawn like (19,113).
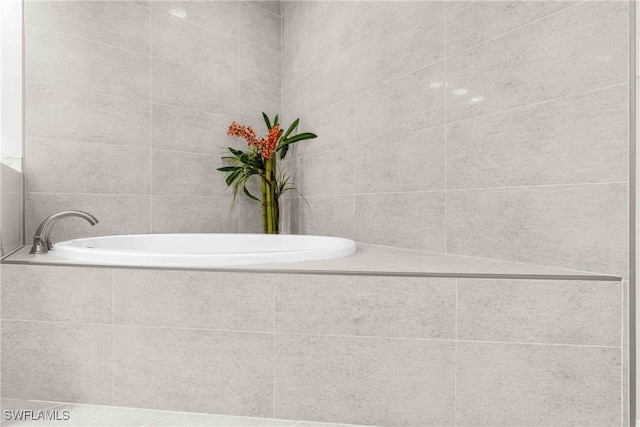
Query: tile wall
(348,349)
(490,129)
(11,205)
(127,105)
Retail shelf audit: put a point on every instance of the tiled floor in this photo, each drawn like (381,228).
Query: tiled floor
(109,416)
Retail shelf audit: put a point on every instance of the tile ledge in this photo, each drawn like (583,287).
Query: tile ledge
(370,260)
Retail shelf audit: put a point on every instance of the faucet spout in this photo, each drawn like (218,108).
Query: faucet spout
(42,238)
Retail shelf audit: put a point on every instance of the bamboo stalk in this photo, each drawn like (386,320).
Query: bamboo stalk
(274,198)
(269,195)
(263,187)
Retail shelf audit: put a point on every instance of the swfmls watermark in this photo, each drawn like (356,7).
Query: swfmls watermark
(39,415)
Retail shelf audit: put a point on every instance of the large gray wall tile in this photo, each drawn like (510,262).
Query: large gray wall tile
(259,64)
(563,312)
(57,362)
(333,126)
(12,227)
(221,16)
(316,48)
(470,23)
(311,13)
(189,87)
(291,102)
(271,6)
(370,306)
(385,220)
(258,26)
(81,295)
(255,99)
(175,39)
(54,58)
(57,166)
(578,139)
(331,216)
(372,17)
(326,174)
(581,227)
(409,162)
(119,23)
(193,299)
(290,24)
(531,385)
(177,173)
(118,214)
(404,47)
(327,85)
(194,214)
(579,49)
(70,114)
(290,65)
(189,130)
(365,380)
(194,370)
(415,101)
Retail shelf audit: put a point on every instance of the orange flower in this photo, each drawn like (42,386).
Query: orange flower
(243,132)
(269,143)
(266,146)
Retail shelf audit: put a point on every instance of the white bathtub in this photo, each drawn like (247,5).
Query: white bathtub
(203,250)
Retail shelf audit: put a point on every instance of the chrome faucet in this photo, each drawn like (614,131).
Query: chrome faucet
(42,238)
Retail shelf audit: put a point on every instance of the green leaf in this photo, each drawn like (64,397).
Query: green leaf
(291,129)
(283,151)
(228,168)
(244,188)
(233,176)
(275,121)
(300,137)
(266,120)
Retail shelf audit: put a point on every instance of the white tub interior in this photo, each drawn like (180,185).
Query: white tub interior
(204,250)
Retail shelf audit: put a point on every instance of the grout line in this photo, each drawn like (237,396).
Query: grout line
(466,189)
(455,362)
(213,196)
(113,346)
(141,101)
(446,249)
(150,135)
(537,103)
(69,88)
(273,288)
(113,46)
(623,309)
(238,60)
(537,186)
(354,230)
(366,337)
(79,141)
(139,147)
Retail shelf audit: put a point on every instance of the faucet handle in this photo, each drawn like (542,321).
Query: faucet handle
(39,246)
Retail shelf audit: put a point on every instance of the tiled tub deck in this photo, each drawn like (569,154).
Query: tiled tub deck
(535,347)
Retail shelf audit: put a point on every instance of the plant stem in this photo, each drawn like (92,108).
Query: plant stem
(270,183)
(263,187)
